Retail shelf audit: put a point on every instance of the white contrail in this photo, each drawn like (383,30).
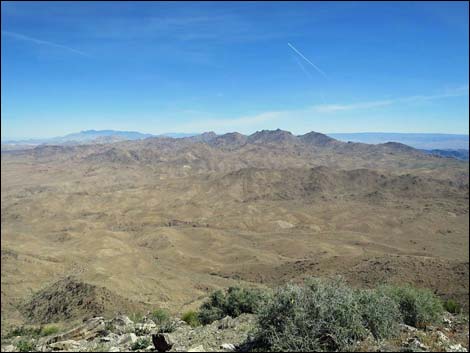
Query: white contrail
(303,57)
(42,42)
(297,60)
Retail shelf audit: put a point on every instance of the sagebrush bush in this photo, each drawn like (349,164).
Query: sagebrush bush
(380,314)
(24,331)
(452,306)
(419,307)
(212,309)
(191,318)
(26,346)
(243,300)
(234,302)
(49,330)
(160,316)
(141,343)
(167,326)
(320,315)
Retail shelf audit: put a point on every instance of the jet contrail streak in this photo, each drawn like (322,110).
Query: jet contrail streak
(297,60)
(299,63)
(42,42)
(303,57)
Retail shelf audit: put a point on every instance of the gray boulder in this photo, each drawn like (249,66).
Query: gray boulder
(163,342)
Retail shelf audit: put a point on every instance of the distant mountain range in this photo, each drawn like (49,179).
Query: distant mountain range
(93,136)
(416,140)
(457,154)
(444,145)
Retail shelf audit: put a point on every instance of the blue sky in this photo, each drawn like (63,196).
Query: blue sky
(195,66)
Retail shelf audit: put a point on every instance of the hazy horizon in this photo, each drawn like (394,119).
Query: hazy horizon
(8,139)
(427,141)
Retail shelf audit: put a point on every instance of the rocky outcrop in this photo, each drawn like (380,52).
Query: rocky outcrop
(163,342)
(90,329)
(71,299)
(121,334)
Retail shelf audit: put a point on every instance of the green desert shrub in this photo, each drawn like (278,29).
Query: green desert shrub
(26,346)
(380,314)
(28,331)
(452,306)
(320,315)
(49,330)
(419,307)
(167,326)
(213,309)
(109,326)
(191,318)
(141,343)
(160,316)
(234,302)
(243,300)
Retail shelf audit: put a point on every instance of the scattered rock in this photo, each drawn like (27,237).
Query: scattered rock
(69,345)
(227,335)
(128,338)
(122,324)
(407,328)
(415,344)
(110,338)
(225,323)
(228,347)
(456,348)
(91,328)
(146,328)
(442,338)
(162,342)
(283,224)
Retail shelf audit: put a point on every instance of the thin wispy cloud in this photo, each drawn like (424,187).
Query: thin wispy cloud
(275,117)
(330,108)
(307,60)
(23,37)
(230,124)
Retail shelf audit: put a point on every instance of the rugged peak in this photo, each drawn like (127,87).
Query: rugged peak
(204,137)
(233,135)
(317,139)
(277,135)
(398,146)
(208,134)
(231,140)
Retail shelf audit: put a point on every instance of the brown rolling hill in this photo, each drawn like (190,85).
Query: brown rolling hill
(162,222)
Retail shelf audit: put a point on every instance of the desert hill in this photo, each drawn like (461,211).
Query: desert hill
(164,221)
(71,299)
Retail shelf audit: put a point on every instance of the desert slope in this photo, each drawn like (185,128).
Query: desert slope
(164,221)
